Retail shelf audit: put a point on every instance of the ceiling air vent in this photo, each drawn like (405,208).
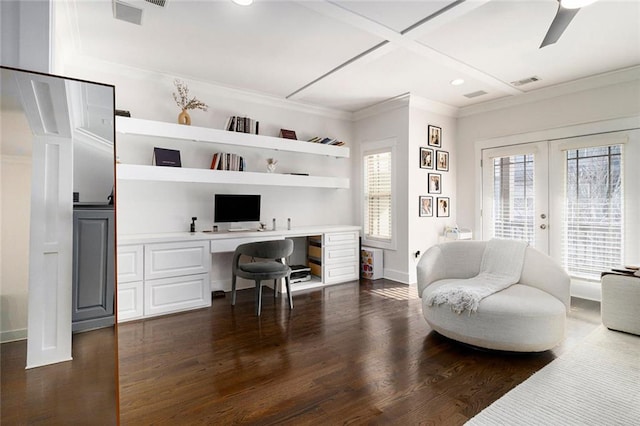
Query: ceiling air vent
(160,3)
(526,81)
(475,94)
(126,12)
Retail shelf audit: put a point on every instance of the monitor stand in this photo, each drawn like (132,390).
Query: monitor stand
(235,227)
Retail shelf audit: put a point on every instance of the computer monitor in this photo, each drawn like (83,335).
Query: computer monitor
(236,208)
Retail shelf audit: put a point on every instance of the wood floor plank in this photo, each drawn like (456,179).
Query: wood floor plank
(356,353)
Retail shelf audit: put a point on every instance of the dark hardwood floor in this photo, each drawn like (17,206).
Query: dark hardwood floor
(78,392)
(349,354)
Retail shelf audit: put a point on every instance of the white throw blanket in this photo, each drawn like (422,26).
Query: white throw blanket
(501,267)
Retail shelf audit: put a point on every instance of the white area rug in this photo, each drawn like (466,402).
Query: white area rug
(596,383)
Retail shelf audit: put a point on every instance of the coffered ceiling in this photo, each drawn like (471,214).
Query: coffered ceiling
(348,55)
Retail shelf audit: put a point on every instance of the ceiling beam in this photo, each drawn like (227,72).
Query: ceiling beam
(406,39)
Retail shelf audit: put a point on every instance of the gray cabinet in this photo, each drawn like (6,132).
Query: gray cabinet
(93,267)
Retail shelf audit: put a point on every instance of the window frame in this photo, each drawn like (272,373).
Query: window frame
(371,148)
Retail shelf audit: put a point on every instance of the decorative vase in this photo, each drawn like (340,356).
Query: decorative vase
(184,118)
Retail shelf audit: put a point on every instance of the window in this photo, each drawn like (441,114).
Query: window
(513,201)
(378,197)
(593,234)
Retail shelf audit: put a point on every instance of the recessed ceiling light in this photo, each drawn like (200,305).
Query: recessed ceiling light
(243,2)
(457,82)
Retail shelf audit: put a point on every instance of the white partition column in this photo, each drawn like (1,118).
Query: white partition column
(50,262)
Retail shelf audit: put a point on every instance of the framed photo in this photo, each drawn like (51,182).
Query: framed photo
(442,161)
(443,206)
(426,206)
(426,158)
(434,183)
(434,135)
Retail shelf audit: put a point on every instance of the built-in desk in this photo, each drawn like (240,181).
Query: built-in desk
(170,272)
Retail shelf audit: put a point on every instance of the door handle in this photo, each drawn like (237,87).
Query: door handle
(543,226)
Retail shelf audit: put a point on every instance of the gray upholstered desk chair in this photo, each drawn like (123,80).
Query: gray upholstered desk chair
(259,271)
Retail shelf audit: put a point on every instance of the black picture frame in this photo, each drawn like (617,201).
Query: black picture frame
(442,161)
(434,183)
(166,157)
(426,158)
(425,206)
(443,207)
(434,136)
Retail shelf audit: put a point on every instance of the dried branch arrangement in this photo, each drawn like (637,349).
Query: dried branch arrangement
(182,97)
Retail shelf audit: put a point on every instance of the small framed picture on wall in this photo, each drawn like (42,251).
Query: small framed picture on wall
(443,206)
(426,206)
(442,161)
(426,158)
(434,183)
(434,134)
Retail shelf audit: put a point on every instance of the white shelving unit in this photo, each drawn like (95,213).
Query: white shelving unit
(137,126)
(140,127)
(179,174)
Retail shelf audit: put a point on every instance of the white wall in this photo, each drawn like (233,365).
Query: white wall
(15,203)
(26,38)
(543,114)
(424,232)
(389,123)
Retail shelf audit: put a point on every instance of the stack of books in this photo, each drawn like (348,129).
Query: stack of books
(242,125)
(226,161)
(326,141)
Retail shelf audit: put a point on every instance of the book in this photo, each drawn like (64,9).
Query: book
(288,134)
(166,157)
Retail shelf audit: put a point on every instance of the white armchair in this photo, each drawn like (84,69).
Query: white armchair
(528,316)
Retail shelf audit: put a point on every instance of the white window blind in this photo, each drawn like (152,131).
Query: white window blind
(514,198)
(378,195)
(593,234)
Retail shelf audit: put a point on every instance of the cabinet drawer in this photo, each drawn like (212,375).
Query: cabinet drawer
(340,273)
(334,238)
(176,294)
(315,252)
(230,244)
(175,259)
(130,263)
(340,254)
(130,301)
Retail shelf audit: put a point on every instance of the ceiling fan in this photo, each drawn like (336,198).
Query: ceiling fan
(567,9)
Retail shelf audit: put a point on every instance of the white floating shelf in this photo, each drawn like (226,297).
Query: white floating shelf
(181,174)
(137,126)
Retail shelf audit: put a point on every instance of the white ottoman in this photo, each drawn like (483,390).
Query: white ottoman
(621,302)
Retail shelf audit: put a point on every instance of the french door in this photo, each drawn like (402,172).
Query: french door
(515,202)
(566,198)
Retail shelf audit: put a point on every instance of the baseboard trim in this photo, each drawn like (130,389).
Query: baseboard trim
(393,275)
(13,335)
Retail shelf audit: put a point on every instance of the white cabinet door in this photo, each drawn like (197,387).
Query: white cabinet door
(130,263)
(335,238)
(130,301)
(341,254)
(339,273)
(175,259)
(176,294)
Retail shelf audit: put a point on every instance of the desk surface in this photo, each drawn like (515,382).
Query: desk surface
(168,237)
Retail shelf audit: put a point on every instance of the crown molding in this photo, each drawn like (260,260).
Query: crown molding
(593,82)
(400,101)
(425,104)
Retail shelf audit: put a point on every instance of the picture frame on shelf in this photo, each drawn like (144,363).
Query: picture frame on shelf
(425,206)
(434,136)
(443,205)
(442,161)
(426,158)
(434,183)
(166,157)
(288,134)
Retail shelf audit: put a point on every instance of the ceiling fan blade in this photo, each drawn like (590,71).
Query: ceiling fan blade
(559,24)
